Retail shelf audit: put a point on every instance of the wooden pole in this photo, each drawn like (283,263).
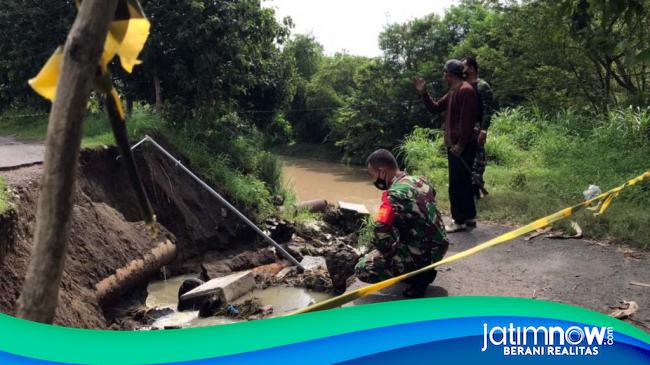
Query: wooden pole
(82,51)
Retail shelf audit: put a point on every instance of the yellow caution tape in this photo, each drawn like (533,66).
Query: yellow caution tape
(127,35)
(603,201)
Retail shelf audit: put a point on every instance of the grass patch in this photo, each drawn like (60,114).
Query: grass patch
(4,203)
(539,164)
(25,125)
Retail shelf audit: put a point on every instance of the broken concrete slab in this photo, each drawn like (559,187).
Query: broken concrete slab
(227,288)
(312,263)
(356,208)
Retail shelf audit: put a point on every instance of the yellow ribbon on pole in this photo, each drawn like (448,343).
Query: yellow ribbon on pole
(127,35)
(128,32)
(603,201)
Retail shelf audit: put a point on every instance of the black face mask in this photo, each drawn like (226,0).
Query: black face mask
(381,184)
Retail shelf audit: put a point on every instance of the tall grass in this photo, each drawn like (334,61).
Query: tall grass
(538,164)
(4,204)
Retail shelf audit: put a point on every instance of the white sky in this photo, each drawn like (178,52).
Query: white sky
(351,25)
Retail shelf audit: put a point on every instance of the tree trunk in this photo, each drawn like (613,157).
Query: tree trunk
(158,91)
(82,50)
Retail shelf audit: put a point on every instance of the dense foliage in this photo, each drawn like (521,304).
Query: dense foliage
(225,80)
(205,66)
(587,56)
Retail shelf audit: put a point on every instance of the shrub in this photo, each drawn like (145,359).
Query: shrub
(538,164)
(423,150)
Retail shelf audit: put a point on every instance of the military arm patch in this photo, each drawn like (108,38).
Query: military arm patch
(386,213)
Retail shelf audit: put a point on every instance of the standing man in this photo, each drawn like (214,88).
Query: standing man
(486,108)
(409,232)
(460,105)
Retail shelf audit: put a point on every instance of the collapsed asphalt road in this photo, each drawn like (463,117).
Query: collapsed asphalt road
(14,153)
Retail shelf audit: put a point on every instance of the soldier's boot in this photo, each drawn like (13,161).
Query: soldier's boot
(418,284)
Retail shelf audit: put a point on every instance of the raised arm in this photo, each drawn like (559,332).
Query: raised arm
(434,106)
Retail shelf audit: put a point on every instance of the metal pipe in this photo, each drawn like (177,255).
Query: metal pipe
(223,201)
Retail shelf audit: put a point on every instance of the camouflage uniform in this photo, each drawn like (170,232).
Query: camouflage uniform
(486,110)
(409,232)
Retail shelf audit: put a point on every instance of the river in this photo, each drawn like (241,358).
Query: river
(334,182)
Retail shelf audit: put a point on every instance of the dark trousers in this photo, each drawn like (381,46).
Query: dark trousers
(461,193)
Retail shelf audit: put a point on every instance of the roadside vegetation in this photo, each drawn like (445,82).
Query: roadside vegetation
(540,163)
(4,204)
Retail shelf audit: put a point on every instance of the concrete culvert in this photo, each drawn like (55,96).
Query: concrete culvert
(191,303)
(209,306)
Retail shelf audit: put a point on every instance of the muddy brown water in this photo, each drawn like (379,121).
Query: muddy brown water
(163,294)
(312,179)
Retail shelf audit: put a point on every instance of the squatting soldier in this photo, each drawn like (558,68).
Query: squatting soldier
(409,233)
(487,106)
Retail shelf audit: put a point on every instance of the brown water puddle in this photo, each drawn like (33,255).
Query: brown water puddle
(333,182)
(163,294)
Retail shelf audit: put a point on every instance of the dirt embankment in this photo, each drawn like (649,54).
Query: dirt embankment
(106,232)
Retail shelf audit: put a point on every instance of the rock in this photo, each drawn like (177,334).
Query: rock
(250,259)
(313,227)
(156,313)
(189,304)
(267,310)
(149,316)
(210,306)
(345,221)
(312,263)
(341,259)
(317,280)
(354,208)
(280,230)
(293,249)
(227,288)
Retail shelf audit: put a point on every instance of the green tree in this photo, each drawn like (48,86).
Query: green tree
(306,56)
(31,30)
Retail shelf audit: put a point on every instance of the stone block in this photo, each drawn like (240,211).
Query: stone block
(227,288)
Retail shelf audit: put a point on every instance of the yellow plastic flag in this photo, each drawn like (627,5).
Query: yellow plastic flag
(127,35)
(45,82)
